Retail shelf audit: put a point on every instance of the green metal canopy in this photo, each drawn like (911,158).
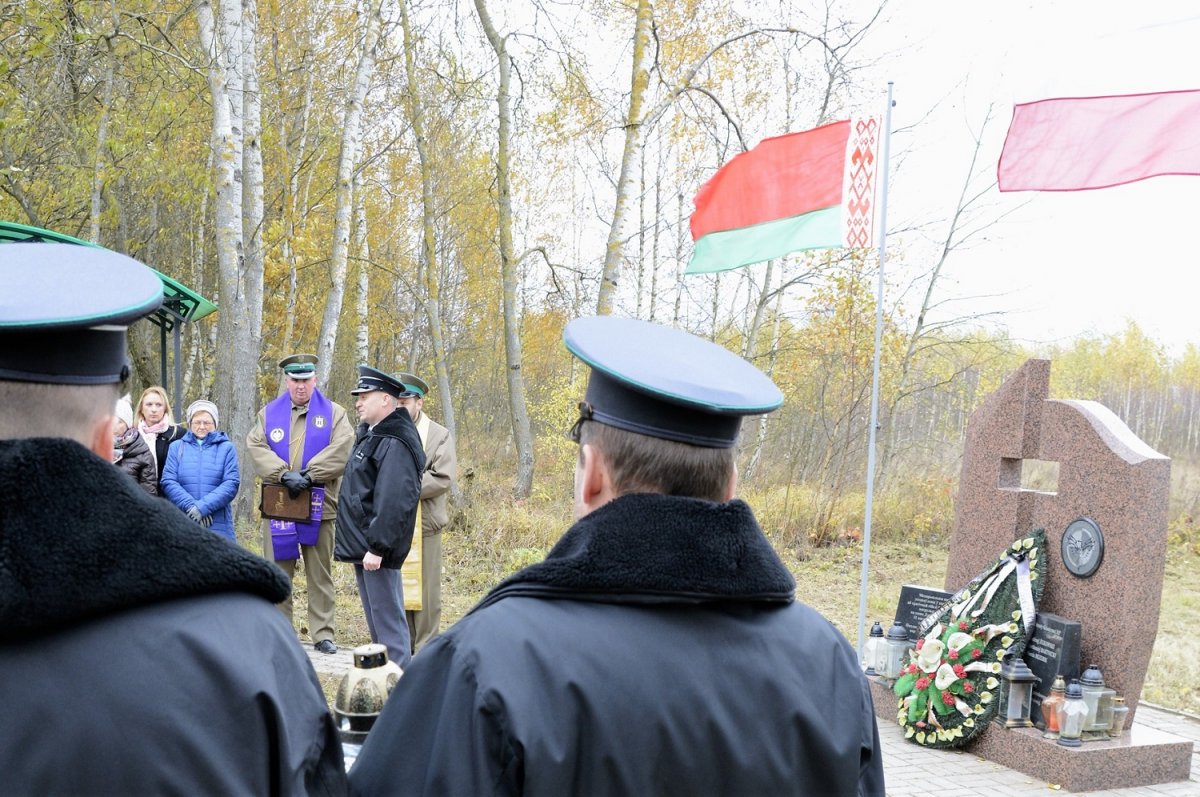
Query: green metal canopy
(180,303)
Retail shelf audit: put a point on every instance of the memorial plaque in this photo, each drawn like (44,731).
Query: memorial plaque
(916,604)
(1052,650)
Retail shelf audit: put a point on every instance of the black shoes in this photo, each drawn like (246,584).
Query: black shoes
(325,646)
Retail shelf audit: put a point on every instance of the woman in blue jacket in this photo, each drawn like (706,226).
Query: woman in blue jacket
(201,474)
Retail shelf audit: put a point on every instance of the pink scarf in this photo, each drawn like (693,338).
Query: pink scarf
(156,429)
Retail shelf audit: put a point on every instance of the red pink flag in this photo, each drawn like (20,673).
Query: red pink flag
(1080,143)
(809,190)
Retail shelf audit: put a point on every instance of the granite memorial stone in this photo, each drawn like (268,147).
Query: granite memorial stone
(917,603)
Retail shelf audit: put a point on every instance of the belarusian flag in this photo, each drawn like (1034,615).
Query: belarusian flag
(809,190)
(1078,143)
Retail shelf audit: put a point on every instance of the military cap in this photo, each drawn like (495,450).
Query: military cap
(373,379)
(64,311)
(299,366)
(666,383)
(413,385)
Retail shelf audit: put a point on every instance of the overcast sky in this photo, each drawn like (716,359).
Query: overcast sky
(1068,263)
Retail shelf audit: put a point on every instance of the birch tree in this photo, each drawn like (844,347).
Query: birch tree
(432,300)
(344,191)
(518,409)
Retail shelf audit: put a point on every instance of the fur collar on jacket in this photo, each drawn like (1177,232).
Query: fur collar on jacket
(650,548)
(79,539)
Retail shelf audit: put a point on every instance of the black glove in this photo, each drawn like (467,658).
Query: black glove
(294,482)
(206,521)
(194,513)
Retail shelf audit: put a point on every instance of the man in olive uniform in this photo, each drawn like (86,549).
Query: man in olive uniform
(139,652)
(441,466)
(659,648)
(302,441)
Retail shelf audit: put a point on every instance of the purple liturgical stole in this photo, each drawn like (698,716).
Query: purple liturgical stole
(286,535)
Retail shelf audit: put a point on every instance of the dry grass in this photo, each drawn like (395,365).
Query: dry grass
(493,536)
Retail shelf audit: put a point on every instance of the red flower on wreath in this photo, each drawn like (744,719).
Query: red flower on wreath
(976,653)
(922,683)
(948,697)
(968,687)
(953,656)
(962,625)
(920,643)
(960,671)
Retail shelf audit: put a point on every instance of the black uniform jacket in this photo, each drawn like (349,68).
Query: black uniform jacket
(377,503)
(139,652)
(657,650)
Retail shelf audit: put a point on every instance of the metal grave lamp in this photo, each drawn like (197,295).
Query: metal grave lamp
(875,651)
(1071,715)
(897,646)
(1016,694)
(363,691)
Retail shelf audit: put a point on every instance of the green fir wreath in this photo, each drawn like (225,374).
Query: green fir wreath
(950,688)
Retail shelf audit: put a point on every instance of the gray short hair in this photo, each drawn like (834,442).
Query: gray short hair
(37,409)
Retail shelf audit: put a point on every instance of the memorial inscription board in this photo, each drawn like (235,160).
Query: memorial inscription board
(1052,650)
(917,603)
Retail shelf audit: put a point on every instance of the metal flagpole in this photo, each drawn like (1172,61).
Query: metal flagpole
(866,556)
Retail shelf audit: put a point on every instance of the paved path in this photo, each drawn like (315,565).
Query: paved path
(920,772)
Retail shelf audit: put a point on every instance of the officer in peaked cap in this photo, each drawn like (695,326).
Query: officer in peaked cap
(302,439)
(380,493)
(299,366)
(64,310)
(663,607)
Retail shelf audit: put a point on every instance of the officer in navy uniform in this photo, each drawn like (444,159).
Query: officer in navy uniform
(378,506)
(115,608)
(659,647)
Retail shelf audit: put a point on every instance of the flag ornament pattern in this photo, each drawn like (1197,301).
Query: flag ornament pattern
(809,190)
(1082,143)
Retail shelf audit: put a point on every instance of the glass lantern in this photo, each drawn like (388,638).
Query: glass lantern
(1051,705)
(1016,695)
(1120,714)
(897,651)
(1071,715)
(1099,700)
(874,657)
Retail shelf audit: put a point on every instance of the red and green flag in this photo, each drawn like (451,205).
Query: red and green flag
(808,190)
(1080,143)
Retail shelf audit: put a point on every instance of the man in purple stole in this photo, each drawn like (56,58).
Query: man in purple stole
(302,441)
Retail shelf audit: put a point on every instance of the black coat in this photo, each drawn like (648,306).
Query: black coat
(162,443)
(381,487)
(656,650)
(139,652)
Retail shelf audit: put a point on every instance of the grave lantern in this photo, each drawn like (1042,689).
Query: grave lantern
(1051,706)
(875,651)
(1016,695)
(897,650)
(1120,714)
(1071,715)
(1098,699)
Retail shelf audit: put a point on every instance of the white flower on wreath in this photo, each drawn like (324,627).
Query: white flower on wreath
(945,677)
(929,657)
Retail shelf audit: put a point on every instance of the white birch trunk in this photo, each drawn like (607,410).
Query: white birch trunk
(631,156)
(518,409)
(362,338)
(101,162)
(432,299)
(344,192)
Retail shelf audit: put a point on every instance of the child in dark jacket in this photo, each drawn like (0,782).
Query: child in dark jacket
(130,452)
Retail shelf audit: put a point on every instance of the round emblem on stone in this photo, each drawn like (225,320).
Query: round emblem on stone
(276,434)
(1082,547)
(319,422)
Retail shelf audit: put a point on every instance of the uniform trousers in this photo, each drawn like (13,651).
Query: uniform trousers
(382,594)
(318,576)
(423,624)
